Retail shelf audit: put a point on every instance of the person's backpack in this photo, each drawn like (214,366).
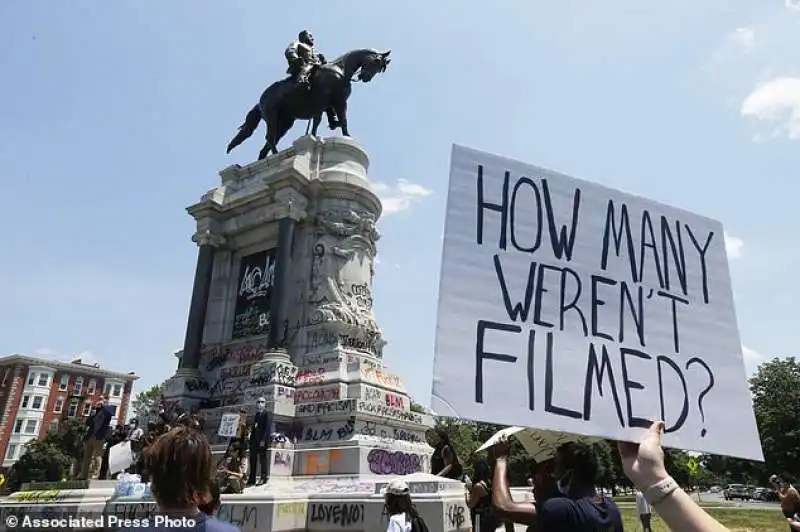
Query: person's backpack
(418,525)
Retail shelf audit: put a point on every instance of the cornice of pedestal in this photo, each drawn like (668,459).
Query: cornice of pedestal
(202,238)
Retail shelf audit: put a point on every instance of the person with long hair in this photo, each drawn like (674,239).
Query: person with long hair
(444,462)
(402,513)
(479,499)
(180,469)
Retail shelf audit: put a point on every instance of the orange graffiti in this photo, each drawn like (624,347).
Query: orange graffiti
(320,462)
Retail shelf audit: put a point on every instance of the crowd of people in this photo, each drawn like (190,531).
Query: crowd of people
(174,455)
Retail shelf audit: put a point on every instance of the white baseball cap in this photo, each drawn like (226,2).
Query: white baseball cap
(396,487)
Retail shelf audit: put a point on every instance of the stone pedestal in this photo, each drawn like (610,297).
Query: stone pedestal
(289,317)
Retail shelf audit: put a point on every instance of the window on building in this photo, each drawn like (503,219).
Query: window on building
(30,426)
(73,409)
(25,400)
(18,426)
(78,385)
(37,402)
(54,427)
(92,387)
(31,378)
(59,405)
(11,453)
(64,382)
(117,390)
(107,390)
(87,408)
(43,379)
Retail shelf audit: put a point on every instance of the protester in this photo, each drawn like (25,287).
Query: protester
(232,468)
(259,441)
(644,510)
(787,495)
(444,461)
(403,516)
(98,424)
(180,467)
(643,464)
(135,436)
(479,499)
(574,507)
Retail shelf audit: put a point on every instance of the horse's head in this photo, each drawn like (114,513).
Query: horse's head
(372,64)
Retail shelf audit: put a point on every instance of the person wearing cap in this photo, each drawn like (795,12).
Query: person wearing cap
(403,516)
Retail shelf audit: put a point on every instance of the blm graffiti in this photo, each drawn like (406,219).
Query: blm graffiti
(254,293)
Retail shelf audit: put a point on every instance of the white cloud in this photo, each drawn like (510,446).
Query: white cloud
(400,196)
(776,101)
(733,246)
(744,38)
(793,4)
(751,359)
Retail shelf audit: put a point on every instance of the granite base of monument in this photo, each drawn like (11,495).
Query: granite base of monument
(323,504)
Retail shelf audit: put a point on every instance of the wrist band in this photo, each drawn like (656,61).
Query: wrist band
(660,490)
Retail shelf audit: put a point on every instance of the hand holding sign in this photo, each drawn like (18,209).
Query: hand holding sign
(643,463)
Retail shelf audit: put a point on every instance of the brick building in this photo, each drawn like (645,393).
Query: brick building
(36,394)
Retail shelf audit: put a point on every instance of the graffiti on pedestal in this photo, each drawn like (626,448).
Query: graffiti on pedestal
(330,431)
(274,373)
(256,279)
(337,514)
(314,395)
(386,433)
(456,515)
(383,462)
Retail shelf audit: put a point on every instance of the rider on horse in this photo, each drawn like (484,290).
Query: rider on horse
(302,58)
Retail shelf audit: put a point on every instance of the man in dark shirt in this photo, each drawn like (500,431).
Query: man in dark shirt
(259,438)
(574,507)
(97,424)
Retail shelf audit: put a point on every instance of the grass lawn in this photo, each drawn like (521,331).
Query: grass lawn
(736,519)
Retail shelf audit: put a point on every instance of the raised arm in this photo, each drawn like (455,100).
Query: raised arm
(643,464)
(519,512)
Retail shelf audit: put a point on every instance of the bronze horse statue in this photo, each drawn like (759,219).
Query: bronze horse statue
(283,102)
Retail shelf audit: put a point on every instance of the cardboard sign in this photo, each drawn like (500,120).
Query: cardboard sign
(120,457)
(568,306)
(228,425)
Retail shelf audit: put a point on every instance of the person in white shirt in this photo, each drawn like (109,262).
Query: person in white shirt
(403,516)
(644,510)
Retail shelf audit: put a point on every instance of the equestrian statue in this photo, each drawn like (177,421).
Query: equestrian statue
(313,87)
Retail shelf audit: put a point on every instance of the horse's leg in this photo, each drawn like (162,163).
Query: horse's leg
(341,113)
(282,128)
(315,125)
(271,140)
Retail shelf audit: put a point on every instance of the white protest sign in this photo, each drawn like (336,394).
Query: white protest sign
(228,425)
(568,306)
(120,457)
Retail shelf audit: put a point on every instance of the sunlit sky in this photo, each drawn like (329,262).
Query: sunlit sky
(114,116)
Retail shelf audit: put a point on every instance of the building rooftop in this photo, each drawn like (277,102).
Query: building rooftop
(73,366)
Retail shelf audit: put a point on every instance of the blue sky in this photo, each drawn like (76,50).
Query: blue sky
(114,116)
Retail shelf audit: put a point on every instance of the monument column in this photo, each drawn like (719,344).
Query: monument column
(207,245)
(277,333)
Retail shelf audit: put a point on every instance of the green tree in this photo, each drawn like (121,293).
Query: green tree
(145,401)
(775,389)
(43,460)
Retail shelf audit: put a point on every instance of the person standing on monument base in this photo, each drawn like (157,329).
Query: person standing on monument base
(259,440)
(444,461)
(98,424)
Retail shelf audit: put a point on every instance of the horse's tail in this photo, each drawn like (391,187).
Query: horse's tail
(251,122)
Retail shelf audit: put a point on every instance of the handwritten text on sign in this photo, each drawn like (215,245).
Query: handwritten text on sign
(569,306)
(228,425)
